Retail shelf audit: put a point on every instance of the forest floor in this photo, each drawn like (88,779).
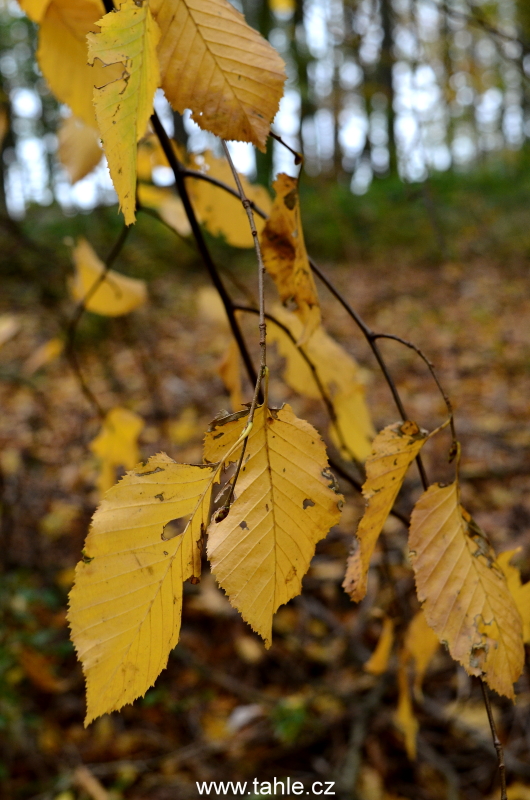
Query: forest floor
(226,708)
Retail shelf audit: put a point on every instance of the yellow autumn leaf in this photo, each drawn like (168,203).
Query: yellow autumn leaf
(43,355)
(115,294)
(78,148)
(168,205)
(35,9)
(116,445)
(378,661)
(123,107)
(285,255)
(394,450)
(339,374)
(285,503)
(230,373)
(221,213)
(185,427)
(283,8)
(463,590)
(404,717)
(126,604)
(519,591)
(517,791)
(212,62)
(63,55)
(420,645)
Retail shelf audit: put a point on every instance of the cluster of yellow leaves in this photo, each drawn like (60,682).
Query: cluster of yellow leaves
(126,604)
(107,67)
(473,603)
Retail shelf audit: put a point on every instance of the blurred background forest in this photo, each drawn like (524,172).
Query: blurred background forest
(414,120)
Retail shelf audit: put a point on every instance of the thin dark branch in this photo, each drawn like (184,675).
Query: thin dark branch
(473,17)
(371,339)
(298,157)
(430,367)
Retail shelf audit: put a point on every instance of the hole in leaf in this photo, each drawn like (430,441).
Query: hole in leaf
(174,528)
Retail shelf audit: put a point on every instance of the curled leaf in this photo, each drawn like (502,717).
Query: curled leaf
(394,450)
(285,255)
(378,661)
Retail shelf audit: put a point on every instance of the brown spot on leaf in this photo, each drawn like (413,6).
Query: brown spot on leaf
(307,503)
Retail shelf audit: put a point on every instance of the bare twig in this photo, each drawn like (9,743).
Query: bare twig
(298,157)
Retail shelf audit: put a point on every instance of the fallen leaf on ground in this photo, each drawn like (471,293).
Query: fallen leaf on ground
(116,445)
